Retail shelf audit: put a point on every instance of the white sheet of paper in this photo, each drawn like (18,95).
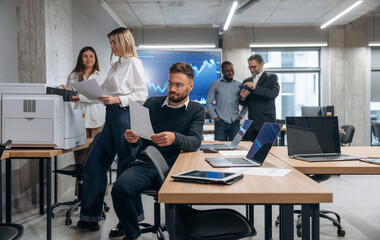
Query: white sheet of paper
(233,153)
(259,171)
(90,89)
(140,120)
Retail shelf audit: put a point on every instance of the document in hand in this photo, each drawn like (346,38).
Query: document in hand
(140,120)
(90,89)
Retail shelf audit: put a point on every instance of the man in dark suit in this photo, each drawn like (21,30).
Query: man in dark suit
(259,95)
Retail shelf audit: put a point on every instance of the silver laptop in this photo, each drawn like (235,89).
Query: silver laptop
(314,139)
(235,142)
(258,151)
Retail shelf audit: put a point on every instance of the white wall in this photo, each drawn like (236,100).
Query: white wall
(90,26)
(8,42)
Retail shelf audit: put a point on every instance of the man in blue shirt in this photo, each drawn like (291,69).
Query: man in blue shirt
(226,93)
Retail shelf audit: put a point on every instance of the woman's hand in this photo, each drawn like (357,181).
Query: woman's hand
(63,86)
(108,100)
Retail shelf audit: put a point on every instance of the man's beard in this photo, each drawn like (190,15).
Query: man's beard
(179,99)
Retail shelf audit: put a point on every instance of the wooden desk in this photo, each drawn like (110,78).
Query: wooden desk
(335,167)
(41,155)
(294,188)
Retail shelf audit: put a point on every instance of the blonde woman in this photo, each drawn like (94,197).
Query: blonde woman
(125,82)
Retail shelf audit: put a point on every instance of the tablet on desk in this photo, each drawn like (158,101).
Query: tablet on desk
(372,160)
(210,177)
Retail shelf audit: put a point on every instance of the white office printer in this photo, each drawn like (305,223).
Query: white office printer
(32,118)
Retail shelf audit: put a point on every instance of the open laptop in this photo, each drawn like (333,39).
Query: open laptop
(235,142)
(314,139)
(258,151)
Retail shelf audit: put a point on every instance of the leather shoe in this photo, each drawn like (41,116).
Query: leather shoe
(92,226)
(117,231)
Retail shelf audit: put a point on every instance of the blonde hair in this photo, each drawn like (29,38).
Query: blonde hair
(124,41)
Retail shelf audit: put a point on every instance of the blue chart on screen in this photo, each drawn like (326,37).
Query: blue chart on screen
(206,67)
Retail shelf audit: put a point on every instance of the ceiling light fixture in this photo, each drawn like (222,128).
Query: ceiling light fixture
(341,14)
(111,13)
(374,44)
(247,5)
(230,15)
(176,46)
(272,45)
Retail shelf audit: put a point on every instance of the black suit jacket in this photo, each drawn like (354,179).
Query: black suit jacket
(261,102)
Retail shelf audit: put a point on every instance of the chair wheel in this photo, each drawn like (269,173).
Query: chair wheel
(106,208)
(341,233)
(68,221)
(277,223)
(299,233)
(75,209)
(104,216)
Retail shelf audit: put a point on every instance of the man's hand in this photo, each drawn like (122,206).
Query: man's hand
(217,119)
(108,100)
(244,93)
(238,118)
(130,136)
(163,139)
(250,85)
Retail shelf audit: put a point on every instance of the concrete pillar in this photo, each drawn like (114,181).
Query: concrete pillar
(349,78)
(236,50)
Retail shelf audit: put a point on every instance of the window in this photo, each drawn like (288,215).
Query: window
(298,72)
(375,87)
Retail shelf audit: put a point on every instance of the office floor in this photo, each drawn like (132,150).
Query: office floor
(356,199)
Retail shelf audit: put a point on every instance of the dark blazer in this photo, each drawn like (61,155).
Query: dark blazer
(261,101)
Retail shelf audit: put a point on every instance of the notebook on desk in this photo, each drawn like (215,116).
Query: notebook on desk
(258,151)
(314,139)
(235,142)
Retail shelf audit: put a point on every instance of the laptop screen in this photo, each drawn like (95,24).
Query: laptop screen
(312,135)
(264,141)
(243,129)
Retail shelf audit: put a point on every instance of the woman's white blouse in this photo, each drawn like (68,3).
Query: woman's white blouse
(126,80)
(94,110)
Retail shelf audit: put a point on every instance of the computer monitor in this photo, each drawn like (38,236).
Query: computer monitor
(206,65)
(308,111)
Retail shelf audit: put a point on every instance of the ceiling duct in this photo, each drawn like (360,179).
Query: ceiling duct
(248,4)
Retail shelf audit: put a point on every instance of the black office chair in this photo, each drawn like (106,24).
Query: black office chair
(184,222)
(9,231)
(346,138)
(76,171)
(375,126)
(322,213)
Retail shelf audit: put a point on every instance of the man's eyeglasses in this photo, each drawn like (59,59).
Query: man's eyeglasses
(253,66)
(177,85)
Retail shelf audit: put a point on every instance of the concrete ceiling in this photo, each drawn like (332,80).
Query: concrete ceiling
(212,13)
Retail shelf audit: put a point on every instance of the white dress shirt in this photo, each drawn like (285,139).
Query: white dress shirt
(257,77)
(94,110)
(126,80)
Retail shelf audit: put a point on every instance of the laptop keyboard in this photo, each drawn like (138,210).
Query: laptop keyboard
(219,146)
(240,161)
(318,155)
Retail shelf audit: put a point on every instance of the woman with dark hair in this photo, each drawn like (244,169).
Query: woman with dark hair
(125,82)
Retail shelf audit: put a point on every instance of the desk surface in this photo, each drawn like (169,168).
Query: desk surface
(43,153)
(336,167)
(295,187)
(4,155)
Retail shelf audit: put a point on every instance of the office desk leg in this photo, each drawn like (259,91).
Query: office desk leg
(48,198)
(55,181)
(250,213)
(286,222)
(305,215)
(268,222)
(8,190)
(315,221)
(42,191)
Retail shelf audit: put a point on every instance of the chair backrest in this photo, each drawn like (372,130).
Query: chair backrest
(158,160)
(350,131)
(376,129)
(91,148)
(3,145)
